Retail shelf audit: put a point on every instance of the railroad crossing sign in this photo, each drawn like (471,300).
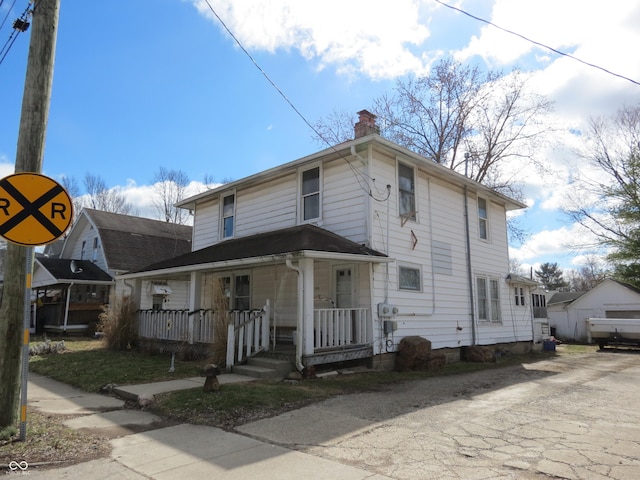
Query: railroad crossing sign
(34,209)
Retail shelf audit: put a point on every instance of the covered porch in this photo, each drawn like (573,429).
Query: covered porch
(314,303)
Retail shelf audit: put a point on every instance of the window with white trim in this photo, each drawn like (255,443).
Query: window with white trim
(310,199)
(483,219)
(95,250)
(406,192)
(234,291)
(409,278)
(488,299)
(228,215)
(519,296)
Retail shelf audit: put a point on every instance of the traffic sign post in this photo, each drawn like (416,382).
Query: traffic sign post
(34,210)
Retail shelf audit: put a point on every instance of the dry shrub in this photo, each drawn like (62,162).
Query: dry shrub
(118,324)
(221,320)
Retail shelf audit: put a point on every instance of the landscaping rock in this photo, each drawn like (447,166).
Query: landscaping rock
(414,353)
(478,354)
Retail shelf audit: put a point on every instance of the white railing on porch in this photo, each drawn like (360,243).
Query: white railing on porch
(247,335)
(338,327)
(170,325)
(198,326)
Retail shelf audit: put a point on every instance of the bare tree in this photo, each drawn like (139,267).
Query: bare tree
(606,201)
(587,276)
(70,184)
(170,187)
(460,117)
(100,197)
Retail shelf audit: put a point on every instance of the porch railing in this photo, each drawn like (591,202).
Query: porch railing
(164,324)
(197,326)
(247,335)
(339,327)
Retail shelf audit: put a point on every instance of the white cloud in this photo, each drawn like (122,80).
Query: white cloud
(379,38)
(561,242)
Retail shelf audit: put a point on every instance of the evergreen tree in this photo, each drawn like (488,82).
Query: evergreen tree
(550,275)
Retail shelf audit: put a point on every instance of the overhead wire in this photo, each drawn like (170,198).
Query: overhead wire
(360,176)
(564,54)
(15,30)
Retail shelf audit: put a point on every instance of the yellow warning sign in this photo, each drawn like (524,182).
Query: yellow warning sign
(34,209)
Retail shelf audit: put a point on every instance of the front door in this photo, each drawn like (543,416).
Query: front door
(344,287)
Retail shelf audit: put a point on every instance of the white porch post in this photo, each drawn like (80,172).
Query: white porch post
(305,324)
(195,294)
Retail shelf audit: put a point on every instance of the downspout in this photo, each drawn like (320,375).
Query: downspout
(474,339)
(299,321)
(66,308)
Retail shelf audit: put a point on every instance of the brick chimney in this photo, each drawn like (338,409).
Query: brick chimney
(366,124)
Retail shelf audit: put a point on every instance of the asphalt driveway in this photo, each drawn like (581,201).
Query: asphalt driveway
(574,416)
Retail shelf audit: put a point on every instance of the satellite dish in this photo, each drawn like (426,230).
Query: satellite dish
(74,267)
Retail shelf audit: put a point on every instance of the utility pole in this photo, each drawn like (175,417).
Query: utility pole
(29,157)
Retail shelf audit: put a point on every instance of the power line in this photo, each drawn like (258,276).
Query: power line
(564,54)
(19,25)
(360,176)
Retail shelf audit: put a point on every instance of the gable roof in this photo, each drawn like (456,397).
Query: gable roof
(349,148)
(564,297)
(298,239)
(129,243)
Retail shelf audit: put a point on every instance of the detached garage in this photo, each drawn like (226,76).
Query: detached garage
(568,311)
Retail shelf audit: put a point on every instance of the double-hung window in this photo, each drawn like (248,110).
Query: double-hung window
(228,215)
(233,292)
(310,194)
(519,295)
(483,219)
(488,299)
(406,192)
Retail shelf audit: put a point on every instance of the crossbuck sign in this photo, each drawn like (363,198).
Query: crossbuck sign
(34,209)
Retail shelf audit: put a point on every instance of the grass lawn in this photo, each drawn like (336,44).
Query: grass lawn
(88,365)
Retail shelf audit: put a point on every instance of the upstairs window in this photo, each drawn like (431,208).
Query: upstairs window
(82,249)
(519,291)
(483,219)
(95,250)
(310,194)
(228,215)
(406,192)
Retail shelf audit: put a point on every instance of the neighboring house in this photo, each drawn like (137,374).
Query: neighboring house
(350,249)
(72,287)
(569,311)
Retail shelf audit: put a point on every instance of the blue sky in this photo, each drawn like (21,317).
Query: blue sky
(145,84)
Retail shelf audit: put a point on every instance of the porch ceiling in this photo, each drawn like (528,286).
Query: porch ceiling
(303,240)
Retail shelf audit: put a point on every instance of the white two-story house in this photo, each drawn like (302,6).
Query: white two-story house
(343,253)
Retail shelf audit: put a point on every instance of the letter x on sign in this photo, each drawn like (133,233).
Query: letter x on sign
(34,209)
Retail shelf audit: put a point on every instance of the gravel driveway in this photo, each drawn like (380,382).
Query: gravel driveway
(570,416)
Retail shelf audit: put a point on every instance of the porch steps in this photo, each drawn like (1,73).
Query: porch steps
(262,367)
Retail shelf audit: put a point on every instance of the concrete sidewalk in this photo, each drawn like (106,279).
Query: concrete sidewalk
(190,451)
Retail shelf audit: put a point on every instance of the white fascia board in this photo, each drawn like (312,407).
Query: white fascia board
(247,262)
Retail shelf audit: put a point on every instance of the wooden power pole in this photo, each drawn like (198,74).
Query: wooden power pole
(29,156)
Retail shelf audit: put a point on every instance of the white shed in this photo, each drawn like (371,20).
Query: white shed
(568,312)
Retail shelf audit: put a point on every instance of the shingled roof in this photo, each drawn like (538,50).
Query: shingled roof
(289,240)
(84,271)
(130,242)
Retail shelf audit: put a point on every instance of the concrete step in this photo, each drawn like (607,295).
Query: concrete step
(259,367)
